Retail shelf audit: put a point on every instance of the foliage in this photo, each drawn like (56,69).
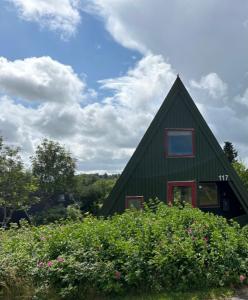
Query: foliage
(17,186)
(217,293)
(92,189)
(57,213)
(49,215)
(54,167)
(89,193)
(230,152)
(73,212)
(88,196)
(159,249)
(242,171)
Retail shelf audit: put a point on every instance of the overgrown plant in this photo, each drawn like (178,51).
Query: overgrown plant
(160,248)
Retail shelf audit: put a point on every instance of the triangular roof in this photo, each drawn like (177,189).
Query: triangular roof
(177,88)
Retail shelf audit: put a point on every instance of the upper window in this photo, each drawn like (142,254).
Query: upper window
(134,202)
(180,142)
(208,194)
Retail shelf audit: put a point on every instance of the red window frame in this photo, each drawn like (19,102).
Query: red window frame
(192,130)
(171,184)
(128,198)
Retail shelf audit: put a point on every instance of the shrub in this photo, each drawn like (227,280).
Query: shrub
(156,249)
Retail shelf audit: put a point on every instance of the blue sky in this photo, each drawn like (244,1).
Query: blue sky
(92,52)
(91,74)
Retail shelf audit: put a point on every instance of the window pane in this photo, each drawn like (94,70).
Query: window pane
(182,194)
(180,142)
(208,195)
(135,203)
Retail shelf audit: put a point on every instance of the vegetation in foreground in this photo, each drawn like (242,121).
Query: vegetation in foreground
(210,294)
(160,249)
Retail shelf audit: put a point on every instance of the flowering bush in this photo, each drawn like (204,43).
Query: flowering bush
(156,249)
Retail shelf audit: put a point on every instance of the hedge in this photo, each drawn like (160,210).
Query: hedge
(156,249)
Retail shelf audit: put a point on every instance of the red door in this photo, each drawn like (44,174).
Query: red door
(182,191)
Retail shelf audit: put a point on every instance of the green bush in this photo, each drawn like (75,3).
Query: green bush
(156,249)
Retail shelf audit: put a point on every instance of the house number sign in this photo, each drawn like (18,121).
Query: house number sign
(223,177)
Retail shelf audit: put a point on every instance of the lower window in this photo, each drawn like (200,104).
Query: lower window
(208,194)
(181,191)
(134,202)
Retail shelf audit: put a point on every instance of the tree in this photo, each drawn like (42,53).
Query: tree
(54,168)
(242,171)
(17,186)
(230,152)
(92,190)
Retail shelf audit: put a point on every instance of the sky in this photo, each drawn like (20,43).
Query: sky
(91,74)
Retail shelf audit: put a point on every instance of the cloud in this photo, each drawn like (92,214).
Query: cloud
(112,13)
(15,124)
(225,114)
(143,85)
(198,37)
(40,79)
(57,15)
(101,135)
(213,84)
(111,129)
(242,99)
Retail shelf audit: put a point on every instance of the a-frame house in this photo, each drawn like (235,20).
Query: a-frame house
(179,158)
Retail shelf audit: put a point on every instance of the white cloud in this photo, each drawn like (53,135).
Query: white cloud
(111,11)
(142,86)
(57,15)
(102,135)
(40,79)
(213,84)
(110,130)
(198,37)
(242,99)
(15,120)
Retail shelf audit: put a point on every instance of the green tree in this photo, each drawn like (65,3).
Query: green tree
(17,186)
(92,190)
(230,152)
(242,172)
(54,168)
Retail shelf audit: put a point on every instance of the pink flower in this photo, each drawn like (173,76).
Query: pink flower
(40,264)
(50,263)
(60,259)
(206,239)
(242,278)
(42,238)
(117,275)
